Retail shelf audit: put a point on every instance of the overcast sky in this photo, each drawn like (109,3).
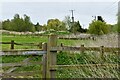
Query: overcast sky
(58,0)
(42,10)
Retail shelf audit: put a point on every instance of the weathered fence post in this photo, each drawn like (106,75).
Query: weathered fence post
(102,52)
(51,56)
(82,49)
(12,44)
(40,45)
(44,61)
(61,44)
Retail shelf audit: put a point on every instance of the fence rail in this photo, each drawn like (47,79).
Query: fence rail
(22,52)
(18,74)
(13,66)
(87,38)
(84,65)
(69,48)
(20,64)
(49,57)
(13,43)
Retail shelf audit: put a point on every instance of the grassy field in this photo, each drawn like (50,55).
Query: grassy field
(37,39)
(22,39)
(88,57)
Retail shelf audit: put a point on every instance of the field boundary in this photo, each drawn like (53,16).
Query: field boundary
(49,56)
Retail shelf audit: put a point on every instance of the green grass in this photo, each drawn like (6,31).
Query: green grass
(64,58)
(37,40)
(16,58)
(22,39)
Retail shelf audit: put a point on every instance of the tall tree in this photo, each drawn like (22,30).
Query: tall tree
(6,25)
(79,27)
(28,24)
(38,27)
(76,27)
(17,23)
(55,24)
(67,22)
(62,27)
(44,27)
(98,27)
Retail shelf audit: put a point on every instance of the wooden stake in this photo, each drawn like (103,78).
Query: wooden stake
(12,44)
(51,56)
(44,61)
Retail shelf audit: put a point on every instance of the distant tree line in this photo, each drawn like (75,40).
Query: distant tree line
(18,24)
(24,24)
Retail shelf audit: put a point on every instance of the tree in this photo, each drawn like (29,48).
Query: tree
(98,27)
(76,27)
(73,26)
(80,29)
(113,28)
(100,18)
(28,24)
(17,23)
(6,25)
(55,24)
(38,27)
(67,22)
(44,27)
(62,26)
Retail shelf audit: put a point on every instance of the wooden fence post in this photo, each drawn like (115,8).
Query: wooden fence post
(61,44)
(40,45)
(12,44)
(82,48)
(44,61)
(51,56)
(102,52)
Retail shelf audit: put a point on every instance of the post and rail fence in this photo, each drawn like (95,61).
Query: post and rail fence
(49,56)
